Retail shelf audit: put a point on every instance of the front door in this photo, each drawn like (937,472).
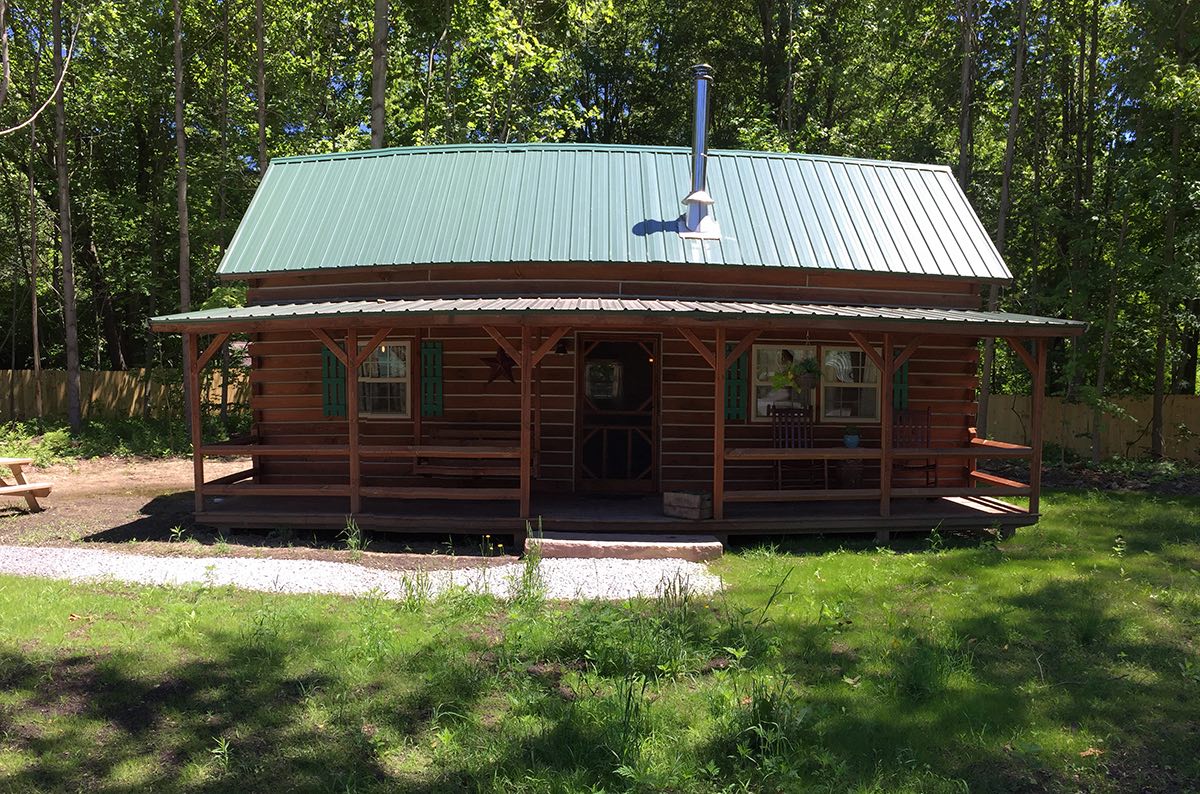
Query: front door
(617,414)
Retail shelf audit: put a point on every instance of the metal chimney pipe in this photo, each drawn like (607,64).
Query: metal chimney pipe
(703,76)
(698,221)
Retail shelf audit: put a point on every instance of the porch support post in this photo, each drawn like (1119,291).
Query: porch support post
(718,489)
(526,367)
(352,420)
(191,388)
(1037,411)
(885,428)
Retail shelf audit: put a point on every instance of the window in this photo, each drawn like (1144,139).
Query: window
(849,386)
(383,381)
(602,380)
(779,378)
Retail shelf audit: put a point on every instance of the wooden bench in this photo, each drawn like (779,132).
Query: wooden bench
(30,490)
(470,452)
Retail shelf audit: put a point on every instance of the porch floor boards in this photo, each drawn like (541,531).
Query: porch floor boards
(643,514)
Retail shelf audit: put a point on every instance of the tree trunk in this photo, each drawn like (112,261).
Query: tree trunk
(1185,378)
(1170,219)
(967,30)
(1157,441)
(261,82)
(74,412)
(35,337)
(221,190)
(1010,147)
(379,55)
(181,186)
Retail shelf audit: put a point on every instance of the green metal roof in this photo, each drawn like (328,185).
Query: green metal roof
(814,315)
(562,203)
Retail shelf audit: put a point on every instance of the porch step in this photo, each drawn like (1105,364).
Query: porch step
(627,546)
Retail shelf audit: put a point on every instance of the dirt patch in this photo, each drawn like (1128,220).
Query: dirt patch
(145,507)
(1084,477)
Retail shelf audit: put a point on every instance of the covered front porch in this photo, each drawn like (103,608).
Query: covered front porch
(472,481)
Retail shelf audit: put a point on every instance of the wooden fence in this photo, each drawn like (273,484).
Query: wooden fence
(1069,425)
(136,392)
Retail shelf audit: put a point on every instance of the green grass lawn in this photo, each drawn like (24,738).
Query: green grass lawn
(1066,658)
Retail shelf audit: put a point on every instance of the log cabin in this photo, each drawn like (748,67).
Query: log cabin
(469,338)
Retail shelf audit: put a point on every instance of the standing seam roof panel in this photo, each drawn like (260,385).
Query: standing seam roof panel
(589,203)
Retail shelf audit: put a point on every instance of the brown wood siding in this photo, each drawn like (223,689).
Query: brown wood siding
(287,404)
(621,280)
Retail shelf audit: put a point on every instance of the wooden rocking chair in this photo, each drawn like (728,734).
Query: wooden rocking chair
(910,430)
(792,428)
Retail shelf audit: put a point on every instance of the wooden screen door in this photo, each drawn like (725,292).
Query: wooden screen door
(617,414)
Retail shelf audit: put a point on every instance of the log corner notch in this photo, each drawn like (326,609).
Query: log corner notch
(1035,362)
(194,362)
(719,359)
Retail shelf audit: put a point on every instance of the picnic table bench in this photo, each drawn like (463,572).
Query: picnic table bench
(30,490)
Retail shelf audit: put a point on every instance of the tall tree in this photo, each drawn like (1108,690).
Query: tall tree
(34,335)
(966,92)
(260,82)
(379,59)
(70,320)
(181,176)
(1010,148)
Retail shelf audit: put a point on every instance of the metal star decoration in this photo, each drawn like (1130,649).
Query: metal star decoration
(500,364)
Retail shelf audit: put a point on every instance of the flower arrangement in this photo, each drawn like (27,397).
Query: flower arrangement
(801,374)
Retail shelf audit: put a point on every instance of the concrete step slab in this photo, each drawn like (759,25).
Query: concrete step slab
(626,546)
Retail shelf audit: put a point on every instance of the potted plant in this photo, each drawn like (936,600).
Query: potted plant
(850,436)
(801,375)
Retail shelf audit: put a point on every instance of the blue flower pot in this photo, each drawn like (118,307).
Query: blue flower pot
(851,441)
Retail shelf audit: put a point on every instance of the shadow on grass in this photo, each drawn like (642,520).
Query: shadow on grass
(249,716)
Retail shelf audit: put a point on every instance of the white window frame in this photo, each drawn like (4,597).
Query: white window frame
(407,380)
(825,382)
(752,375)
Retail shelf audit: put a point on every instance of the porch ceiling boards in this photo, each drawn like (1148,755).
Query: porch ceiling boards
(614,311)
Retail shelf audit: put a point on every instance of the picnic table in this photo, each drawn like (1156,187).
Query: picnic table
(30,490)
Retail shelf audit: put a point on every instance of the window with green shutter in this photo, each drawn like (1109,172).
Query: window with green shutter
(900,388)
(333,384)
(431,378)
(737,386)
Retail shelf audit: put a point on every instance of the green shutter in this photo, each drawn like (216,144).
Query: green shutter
(431,378)
(900,388)
(737,386)
(333,384)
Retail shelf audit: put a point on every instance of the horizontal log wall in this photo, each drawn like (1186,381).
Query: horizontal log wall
(287,402)
(942,377)
(665,281)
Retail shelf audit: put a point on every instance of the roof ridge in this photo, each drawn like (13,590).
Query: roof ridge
(457,148)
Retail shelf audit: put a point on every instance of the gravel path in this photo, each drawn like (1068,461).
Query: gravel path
(565,579)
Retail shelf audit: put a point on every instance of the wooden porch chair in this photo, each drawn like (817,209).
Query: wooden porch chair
(910,430)
(792,428)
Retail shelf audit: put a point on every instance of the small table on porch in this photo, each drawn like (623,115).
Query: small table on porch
(30,490)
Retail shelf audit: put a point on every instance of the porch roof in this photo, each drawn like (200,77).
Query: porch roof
(608,312)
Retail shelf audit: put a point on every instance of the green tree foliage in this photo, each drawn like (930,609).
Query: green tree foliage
(1105,180)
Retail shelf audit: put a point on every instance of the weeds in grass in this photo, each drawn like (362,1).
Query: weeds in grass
(759,731)
(178,534)
(222,753)
(418,589)
(354,538)
(222,545)
(529,589)
(375,623)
